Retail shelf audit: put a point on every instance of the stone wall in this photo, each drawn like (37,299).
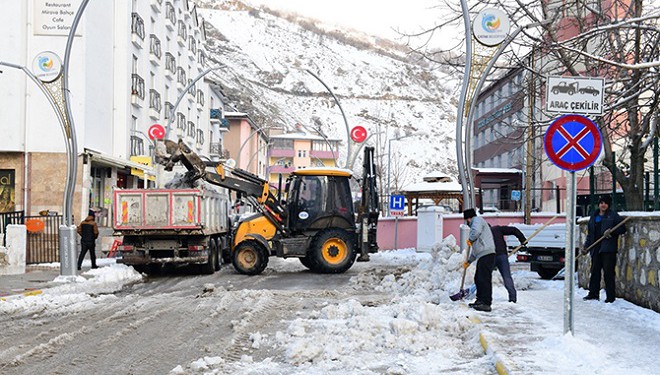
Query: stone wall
(638,261)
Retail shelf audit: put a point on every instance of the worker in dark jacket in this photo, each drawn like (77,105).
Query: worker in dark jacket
(603,254)
(88,231)
(502,255)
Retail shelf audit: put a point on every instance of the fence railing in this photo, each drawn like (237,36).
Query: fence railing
(43,239)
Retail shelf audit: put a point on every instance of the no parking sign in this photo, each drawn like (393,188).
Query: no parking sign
(573,142)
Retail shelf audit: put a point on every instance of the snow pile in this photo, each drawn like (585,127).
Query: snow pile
(410,326)
(74,293)
(436,276)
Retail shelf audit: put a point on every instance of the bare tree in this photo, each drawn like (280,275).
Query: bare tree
(618,40)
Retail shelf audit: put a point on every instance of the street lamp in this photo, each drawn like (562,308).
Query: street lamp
(255,131)
(183,93)
(343,115)
(389,159)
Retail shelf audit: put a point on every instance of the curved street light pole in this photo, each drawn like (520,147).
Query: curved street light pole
(348,130)
(462,172)
(255,131)
(320,132)
(183,93)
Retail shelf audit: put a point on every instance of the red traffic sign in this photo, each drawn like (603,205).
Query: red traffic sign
(156,131)
(573,142)
(358,134)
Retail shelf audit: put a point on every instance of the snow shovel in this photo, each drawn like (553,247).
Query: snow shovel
(462,293)
(515,250)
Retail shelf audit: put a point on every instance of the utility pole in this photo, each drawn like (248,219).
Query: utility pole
(529,160)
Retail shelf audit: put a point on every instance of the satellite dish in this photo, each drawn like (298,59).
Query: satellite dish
(230,163)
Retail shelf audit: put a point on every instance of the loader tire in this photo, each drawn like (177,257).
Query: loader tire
(332,251)
(307,262)
(250,258)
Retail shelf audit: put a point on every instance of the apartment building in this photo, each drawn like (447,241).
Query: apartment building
(246,143)
(131,61)
(300,149)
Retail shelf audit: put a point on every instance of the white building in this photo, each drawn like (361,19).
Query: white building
(130,62)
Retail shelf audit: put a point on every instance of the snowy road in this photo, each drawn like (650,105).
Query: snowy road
(284,321)
(390,316)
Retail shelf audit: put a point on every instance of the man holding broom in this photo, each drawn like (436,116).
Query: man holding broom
(483,252)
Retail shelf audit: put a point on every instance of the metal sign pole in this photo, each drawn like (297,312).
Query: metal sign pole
(569,278)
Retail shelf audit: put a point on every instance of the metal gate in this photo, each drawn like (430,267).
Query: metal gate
(43,244)
(6,218)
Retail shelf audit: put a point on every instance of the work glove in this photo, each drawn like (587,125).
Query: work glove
(466,264)
(584,251)
(469,243)
(607,233)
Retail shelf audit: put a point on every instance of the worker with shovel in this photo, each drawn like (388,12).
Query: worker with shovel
(481,241)
(603,231)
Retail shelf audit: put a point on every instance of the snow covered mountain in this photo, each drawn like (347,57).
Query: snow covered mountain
(265,55)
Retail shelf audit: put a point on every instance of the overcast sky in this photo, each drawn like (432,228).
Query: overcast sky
(375,17)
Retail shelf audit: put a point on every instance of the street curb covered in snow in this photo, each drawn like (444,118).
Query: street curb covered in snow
(22,294)
(500,365)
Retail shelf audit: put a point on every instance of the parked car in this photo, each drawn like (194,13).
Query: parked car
(588,90)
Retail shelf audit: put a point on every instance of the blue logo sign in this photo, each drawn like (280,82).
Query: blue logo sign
(397,202)
(515,195)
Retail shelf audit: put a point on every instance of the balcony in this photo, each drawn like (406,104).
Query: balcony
(215,148)
(137,30)
(182,34)
(155,105)
(137,90)
(192,47)
(137,146)
(281,169)
(181,78)
(168,110)
(180,124)
(191,91)
(155,52)
(200,138)
(280,153)
(200,99)
(170,65)
(170,14)
(156,5)
(322,154)
(201,58)
(215,115)
(191,129)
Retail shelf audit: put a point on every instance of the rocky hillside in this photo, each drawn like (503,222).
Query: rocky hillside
(265,55)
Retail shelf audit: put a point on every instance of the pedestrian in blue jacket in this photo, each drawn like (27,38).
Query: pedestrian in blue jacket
(603,255)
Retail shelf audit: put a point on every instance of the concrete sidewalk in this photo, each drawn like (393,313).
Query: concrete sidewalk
(35,278)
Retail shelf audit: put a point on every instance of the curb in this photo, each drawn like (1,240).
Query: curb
(29,293)
(500,365)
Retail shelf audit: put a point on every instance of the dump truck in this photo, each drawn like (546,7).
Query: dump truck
(171,226)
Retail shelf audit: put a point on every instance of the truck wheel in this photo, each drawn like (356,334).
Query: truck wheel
(250,258)
(216,249)
(209,267)
(547,273)
(332,251)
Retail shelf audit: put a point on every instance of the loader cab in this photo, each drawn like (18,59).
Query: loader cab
(319,198)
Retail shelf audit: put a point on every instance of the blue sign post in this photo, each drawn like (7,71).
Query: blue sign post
(572,143)
(397,205)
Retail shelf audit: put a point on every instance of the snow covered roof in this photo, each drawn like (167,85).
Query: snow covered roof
(302,136)
(497,170)
(449,187)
